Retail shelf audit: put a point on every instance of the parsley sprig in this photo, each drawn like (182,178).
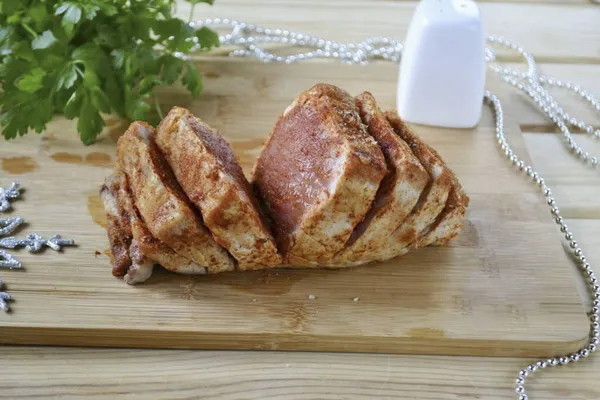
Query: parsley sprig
(82,58)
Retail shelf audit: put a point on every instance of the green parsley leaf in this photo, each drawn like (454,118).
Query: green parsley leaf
(32,81)
(44,41)
(71,13)
(23,50)
(139,110)
(171,69)
(38,14)
(85,58)
(68,76)
(74,103)
(90,122)
(118,57)
(192,80)
(100,100)
(207,38)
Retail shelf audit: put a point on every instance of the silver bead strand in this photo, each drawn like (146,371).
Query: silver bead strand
(531,84)
(587,270)
(591,99)
(251,37)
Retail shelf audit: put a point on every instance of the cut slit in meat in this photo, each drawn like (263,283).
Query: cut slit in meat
(318,174)
(450,221)
(209,174)
(162,204)
(148,245)
(118,227)
(432,201)
(144,250)
(137,268)
(398,192)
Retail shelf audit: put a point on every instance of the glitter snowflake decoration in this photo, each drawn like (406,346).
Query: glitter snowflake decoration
(32,242)
(6,195)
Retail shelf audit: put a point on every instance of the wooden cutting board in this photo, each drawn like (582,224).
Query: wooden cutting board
(503,287)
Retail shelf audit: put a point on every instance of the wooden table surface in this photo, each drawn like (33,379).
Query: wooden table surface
(564,35)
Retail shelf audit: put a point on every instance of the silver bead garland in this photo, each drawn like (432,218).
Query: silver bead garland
(251,40)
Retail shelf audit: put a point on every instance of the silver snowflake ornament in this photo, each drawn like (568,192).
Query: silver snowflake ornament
(34,242)
(4,298)
(6,195)
(9,225)
(8,261)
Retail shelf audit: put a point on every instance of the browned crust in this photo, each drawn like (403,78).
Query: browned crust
(398,192)
(450,221)
(148,246)
(118,229)
(208,171)
(154,219)
(434,197)
(163,206)
(322,123)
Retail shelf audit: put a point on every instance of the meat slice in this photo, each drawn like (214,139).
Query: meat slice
(207,170)
(164,208)
(398,193)
(318,174)
(433,198)
(118,227)
(144,250)
(144,245)
(450,221)
(123,245)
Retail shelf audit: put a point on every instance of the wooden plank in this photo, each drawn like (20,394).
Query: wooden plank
(576,187)
(572,40)
(150,374)
(437,293)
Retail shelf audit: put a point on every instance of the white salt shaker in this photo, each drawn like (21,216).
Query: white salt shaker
(442,70)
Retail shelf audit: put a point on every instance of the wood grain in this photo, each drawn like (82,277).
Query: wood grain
(209,375)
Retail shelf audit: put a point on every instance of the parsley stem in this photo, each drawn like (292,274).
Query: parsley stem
(29,29)
(157,106)
(79,71)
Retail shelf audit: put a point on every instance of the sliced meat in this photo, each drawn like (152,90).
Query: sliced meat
(450,221)
(163,206)
(398,193)
(141,268)
(433,198)
(318,174)
(145,246)
(208,171)
(134,266)
(118,228)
